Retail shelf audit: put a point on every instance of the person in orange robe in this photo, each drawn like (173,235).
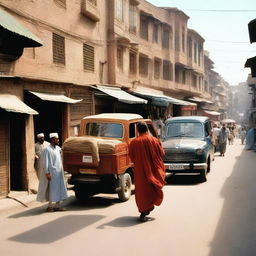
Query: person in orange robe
(146,154)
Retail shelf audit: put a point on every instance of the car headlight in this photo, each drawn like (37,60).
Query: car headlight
(199,151)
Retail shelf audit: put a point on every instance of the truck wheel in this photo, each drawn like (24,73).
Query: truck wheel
(125,187)
(203,177)
(81,193)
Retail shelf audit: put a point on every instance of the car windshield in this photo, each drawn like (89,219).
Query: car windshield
(179,129)
(109,130)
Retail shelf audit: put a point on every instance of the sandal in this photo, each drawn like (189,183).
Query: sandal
(60,209)
(49,209)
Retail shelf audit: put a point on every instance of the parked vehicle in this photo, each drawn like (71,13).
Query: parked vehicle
(98,158)
(188,145)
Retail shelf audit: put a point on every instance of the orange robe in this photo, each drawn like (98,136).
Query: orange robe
(146,154)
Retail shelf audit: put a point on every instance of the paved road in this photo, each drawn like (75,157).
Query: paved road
(216,218)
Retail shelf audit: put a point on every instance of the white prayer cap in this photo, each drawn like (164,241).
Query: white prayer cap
(53,135)
(40,135)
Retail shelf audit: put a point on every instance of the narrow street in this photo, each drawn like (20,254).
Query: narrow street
(215,218)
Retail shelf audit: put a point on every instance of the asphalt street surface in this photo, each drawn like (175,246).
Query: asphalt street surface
(215,218)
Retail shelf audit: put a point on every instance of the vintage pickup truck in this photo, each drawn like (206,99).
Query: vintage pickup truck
(98,158)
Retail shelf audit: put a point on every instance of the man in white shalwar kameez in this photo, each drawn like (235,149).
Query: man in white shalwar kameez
(52,185)
(40,145)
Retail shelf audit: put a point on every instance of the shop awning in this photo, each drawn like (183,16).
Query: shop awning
(7,22)
(212,113)
(251,63)
(120,95)
(200,100)
(12,103)
(162,100)
(54,97)
(252,30)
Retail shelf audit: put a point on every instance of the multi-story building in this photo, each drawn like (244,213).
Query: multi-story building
(63,60)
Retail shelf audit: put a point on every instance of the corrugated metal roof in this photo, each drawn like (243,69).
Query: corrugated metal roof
(11,24)
(12,103)
(120,95)
(54,97)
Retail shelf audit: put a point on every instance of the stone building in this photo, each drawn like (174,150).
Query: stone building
(62,60)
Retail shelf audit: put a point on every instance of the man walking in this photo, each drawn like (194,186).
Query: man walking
(40,145)
(223,137)
(52,186)
(146,154)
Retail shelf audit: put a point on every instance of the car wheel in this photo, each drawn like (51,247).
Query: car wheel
(203,177)
(125,190)
(209,164)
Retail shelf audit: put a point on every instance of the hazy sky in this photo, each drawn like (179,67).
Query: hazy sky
(225,32)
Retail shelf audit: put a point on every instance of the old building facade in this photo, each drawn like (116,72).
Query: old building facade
(76,58)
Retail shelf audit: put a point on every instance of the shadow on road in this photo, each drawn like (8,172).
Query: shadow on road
(57,229)
(124,222)
(236,230)
(71,204)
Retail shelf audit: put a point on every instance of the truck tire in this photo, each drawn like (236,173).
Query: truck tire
(81,193)
(125,183)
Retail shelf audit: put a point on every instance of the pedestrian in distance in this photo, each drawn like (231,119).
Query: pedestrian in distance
(40,145)
(242,135)
(52,187)
(215,135)
(146,154)
(223,137)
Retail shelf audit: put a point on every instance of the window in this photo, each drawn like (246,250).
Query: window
(194,81)
(155,33)
(143,65)
(109,130)
(157,64)
(132,62)
(132,17)
(193,130)
(199,54)
(58,47)
(183,39)
(119,9)
(190,47)
(61,3)
(166,39)
(119,56)
(195,52)
(94,2)
(88,54)
(132,130)
(167,70)
(144,27)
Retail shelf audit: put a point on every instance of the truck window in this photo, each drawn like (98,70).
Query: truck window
(109,130)
(132,130)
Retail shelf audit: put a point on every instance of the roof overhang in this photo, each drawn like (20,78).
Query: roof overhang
(27,38)
(252,30)
(200,100)
(251,63)
(12,103)
(54,97)
(119,94)
(212,113)
(159,99)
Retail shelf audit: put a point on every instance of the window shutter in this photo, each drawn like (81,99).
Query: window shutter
(88,52)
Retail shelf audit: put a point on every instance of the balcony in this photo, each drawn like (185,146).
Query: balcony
(90,10)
